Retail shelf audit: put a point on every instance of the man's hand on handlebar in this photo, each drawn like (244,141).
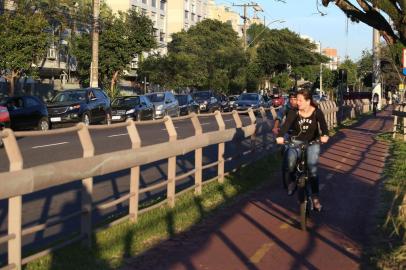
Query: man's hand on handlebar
(324,139)
(280,140)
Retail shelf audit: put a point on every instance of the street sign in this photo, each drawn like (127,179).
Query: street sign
(404,61)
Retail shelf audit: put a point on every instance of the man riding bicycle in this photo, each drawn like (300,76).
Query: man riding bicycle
(283,112)
(304,127)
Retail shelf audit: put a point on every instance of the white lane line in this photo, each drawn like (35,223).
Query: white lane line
(48,145)
(117,135)
(204,124)
(175,128)
(228,120)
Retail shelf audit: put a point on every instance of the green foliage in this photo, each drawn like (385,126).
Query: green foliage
(283,81)
(351,68)
(121,37)
(283,48)
(207,56)
(23,41)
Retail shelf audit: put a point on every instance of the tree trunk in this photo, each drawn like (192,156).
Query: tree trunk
(113,81)
(12,79)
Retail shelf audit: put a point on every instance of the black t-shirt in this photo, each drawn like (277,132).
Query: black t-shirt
(304,128)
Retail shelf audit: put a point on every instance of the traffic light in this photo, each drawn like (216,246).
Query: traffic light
(342,75)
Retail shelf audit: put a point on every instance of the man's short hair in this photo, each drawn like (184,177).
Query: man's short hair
(292,94)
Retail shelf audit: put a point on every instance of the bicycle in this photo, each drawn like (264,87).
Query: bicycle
(302,182)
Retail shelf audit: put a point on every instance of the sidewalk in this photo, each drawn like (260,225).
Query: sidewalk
(261,230)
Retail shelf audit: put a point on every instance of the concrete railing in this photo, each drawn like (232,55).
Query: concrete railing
(353,108)
(399,120)
(29,180)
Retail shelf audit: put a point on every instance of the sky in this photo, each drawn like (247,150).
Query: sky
(301,17)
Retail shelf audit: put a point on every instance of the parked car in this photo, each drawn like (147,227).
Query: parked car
(4,120)
(26,112)
(132,107)
(232,99)
(207,100)
(319,98)
(224,103)
(164,103)
(267,101)
(277,100)
(186,104)
(87,105)
(249,100)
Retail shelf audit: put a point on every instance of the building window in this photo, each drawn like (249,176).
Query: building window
(193,17)
(162,36)
(144,1)
(186,14)
(153,3)
(144,11)
(163,3)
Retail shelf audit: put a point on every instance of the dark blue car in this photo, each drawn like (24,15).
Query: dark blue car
(26,112)
(87,105)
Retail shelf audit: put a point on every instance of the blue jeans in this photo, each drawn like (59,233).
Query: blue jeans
(292,154)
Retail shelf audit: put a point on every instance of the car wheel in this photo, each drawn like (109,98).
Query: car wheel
(43,124)
(86,119)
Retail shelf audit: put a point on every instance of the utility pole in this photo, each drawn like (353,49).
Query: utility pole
(94,73)
(377,87)
(321,74)
(245,18)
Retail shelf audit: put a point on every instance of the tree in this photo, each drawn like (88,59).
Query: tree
(121,38)
(390,21)
(23,42)
(351,68)
(284,49)
(209,55)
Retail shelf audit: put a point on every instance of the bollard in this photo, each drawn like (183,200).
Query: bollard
(253,120)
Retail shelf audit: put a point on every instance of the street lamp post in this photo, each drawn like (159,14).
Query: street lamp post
(94,74)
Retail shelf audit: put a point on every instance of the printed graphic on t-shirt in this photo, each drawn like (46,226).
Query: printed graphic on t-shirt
(305,124)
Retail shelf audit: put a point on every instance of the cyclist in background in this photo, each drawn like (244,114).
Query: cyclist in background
(304,125)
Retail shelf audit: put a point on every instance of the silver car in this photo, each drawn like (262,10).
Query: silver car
(165,103)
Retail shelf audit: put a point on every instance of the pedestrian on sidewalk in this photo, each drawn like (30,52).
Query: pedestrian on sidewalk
(304,125)
(375,101)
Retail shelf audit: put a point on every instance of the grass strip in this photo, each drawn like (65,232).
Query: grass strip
(387,249)
(113,245)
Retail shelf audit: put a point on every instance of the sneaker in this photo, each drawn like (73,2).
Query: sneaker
(291,188)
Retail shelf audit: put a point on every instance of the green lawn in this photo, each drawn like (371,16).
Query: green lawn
(388,247)
(112,246)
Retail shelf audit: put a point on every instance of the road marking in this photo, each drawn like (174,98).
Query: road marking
(117,135)
(48,145)
(165,128)
(261,252)
(204,124)
(228,120)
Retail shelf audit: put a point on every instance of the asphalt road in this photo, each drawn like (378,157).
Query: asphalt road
(60,201)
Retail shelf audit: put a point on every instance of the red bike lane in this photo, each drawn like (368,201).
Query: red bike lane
(261,231)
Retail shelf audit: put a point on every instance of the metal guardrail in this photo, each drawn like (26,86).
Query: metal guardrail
(29,180)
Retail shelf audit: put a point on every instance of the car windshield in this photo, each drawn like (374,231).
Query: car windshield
(70,96)
(158,97)
(202,95)
(250,97)
(129,101)
(182,100)
(233,98)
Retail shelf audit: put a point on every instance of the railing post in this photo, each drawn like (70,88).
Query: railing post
(135,172)
(265,122)
(221,148)
(198,156)
(273,112)
(15,203)
(171,189)
(395,122)
(238,124)
(404,125)
(253,120)
(87,186)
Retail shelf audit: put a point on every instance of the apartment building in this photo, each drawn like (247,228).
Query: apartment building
(182,14)
(225,15)
(156,10)
(334,58)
